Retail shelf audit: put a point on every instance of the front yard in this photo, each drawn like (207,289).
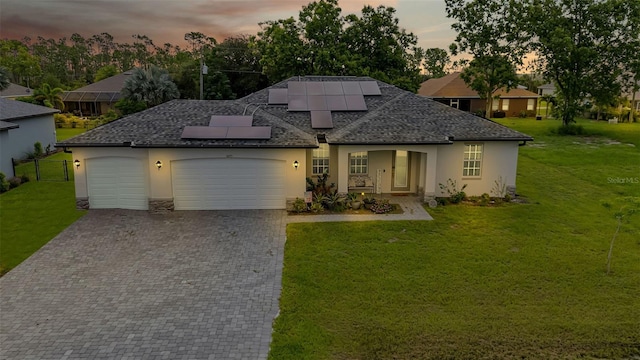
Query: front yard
(517,281)
(35,212)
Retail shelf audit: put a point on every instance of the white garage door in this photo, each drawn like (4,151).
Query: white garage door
(218,184)
(117,182)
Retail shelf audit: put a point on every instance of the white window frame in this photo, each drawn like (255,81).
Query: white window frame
(531,104)
(505,104)
(454,103)
(320,159)
(359,163)
(495,104)
(472,161)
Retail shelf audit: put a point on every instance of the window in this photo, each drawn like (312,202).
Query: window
(530,104)
(320,160)
(472,160)
(505,104)
(494,104)
(358,162)
(454,103)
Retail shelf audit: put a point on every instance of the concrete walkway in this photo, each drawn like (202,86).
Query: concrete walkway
(411,205)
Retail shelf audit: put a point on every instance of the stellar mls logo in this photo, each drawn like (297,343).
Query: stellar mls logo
(623,180)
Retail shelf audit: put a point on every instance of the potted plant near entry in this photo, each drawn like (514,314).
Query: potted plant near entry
(353,200)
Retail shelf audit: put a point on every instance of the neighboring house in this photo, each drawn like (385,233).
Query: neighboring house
(97,98)
(256,152)
(21,126)
(15,91)
(547,89)
(453,91)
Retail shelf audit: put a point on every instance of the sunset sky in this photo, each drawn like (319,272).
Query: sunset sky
(168,20)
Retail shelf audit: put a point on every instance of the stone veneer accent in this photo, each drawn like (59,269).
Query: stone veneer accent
(82,203)
(160,206)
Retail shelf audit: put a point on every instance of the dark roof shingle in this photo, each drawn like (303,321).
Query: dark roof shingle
(14,110)
(394,117)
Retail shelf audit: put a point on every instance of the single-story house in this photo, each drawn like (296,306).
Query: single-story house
(97,98)
(453,91)
(15,91)
(21,126)
(256,152)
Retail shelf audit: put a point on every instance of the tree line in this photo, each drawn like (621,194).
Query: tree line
(320,41)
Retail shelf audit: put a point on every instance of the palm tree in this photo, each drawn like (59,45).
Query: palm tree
(153,86)
(4,78)
(51,97)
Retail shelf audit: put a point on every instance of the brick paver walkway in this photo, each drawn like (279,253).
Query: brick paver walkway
(123,284)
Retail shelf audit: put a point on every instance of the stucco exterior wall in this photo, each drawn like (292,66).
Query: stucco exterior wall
(499,159)
(31,130)
(5,160)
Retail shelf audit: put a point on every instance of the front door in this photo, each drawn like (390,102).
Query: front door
(400,170)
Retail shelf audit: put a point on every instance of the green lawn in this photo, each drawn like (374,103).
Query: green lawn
(65,133)
(35,212)
(518,281)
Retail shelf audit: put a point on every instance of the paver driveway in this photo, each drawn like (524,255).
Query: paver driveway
(129,284)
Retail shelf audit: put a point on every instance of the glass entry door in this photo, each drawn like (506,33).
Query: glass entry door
(401,172)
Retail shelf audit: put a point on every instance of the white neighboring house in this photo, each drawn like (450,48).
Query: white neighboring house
(21,126)
(546,89)
(256,152)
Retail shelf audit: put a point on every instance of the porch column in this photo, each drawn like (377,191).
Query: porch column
(343,169)
(430,175)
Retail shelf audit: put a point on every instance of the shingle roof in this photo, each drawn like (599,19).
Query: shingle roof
(4,126)
(106,90)
(15,90)
(14,110)
(452,86)
(395,117)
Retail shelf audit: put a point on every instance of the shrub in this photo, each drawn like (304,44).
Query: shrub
(451,189)
(4,184)
(571,129)
(37,149)
(499,114)
(381,207)
(24,178)
(485,199)
(499,188)
(334,201)
(299,205)
(522,114)
(14,182)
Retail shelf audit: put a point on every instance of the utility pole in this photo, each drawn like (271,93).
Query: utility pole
(203,71)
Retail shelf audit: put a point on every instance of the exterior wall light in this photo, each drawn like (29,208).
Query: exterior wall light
(296,164)
(158,164)
(76,162)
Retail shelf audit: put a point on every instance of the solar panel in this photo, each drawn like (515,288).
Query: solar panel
(249,132)
(204,132)
(231,120)
(355,103)
(370,88)
(336,102)
(278,96)
(333,88)
(321,120)
(317,102)
(298,103)
(351,87)
(296,88)
(315,88)
(226,132)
